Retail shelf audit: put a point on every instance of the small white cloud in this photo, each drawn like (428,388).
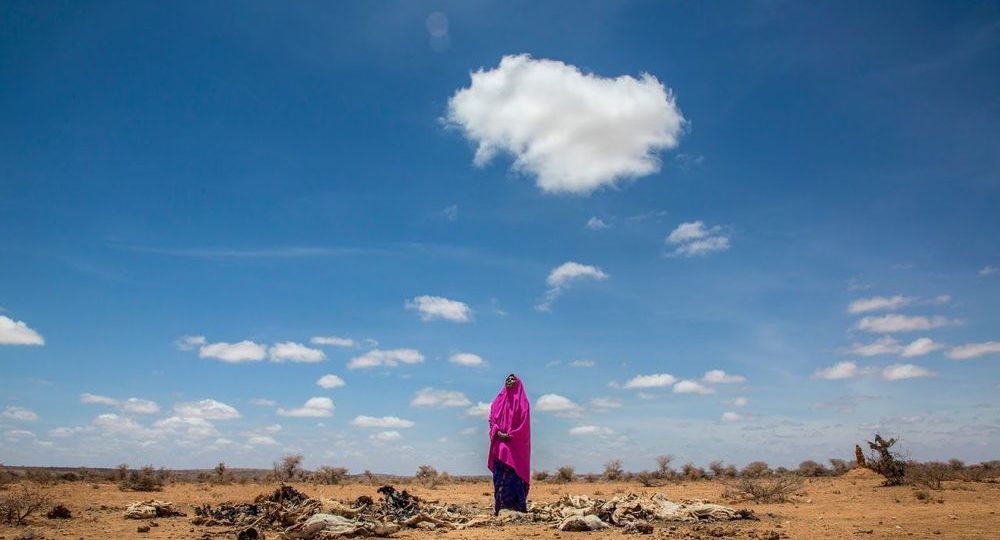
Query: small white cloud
(439,399)
(920,347)
(730,416)
(604,404)
(893,322)
(575,132)
(94,399)
(883,345)
(261,440)
(262,402)
(840,370)
(313,408)
(737,402)
(209,409)
(190,427)
(481,410)
(388,358)
(693,238)
(438,307)
(19,413)
(556,404)
(973,350)
(879,303)
(290,351)
(333,341)
(596,224)
(18,333)
(383,422)
(189,343)
(717,376)
(330,381)
(989,271)
(582,363)
(244,351)
(591,430)
(898,372)
(692,387)
(467,359)
(657,380)
(140,406)
(564,276)
(450,213)
(386,436)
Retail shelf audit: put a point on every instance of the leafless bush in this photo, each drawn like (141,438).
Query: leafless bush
(613,470)
(690,472)
(840,466)
(144,479)
(663,469)
(220,472)
(289,467)
(427,476)
(774,490)
(17,505)
(811,468)
(756,469)
(565,474)
(930,474)
(721,470)
(540,476)
(330,475)
(887,462)
(647,479)
(369,477)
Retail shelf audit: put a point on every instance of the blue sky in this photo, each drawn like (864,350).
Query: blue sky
(613,201)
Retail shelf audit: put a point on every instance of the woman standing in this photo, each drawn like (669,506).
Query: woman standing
(510,447)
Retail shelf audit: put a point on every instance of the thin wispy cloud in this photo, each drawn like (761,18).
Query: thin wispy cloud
(718,376)
(385,358)
(879,303)
(694,238)
(974,350)
(596,224)
(574,132)
(439,399)
(333,341)
(893,323)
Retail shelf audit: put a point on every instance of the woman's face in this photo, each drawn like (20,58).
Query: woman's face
(511,381)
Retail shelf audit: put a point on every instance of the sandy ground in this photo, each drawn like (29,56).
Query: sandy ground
(854,506)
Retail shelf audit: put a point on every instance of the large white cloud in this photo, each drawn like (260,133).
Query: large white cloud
(564,276)
(381,422)
(244,351)
(574,132)
(439,399)
(290,351)
(313,408)
(656,380)
(467,359)
(895,322)
(972,350)
(18,333)
(387,358)
(438,307)
(208,409)
(694,238)
(897,372)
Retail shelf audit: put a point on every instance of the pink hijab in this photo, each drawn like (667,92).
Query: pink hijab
(510,413)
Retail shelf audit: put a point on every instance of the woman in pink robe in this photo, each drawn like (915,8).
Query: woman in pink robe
(510,446)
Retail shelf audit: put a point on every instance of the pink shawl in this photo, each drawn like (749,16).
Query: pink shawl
(510,413)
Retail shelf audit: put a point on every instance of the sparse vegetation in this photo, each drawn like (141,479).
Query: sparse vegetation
(144,479)
(613,470)
(565,474)
(19,504)
(812,468)
(647,479)
(663,469)
(756,469)
(427,476)
(330,475)
(540,476)
(220,472)
(288,468)
(691,472)
(778,489)
(839,466)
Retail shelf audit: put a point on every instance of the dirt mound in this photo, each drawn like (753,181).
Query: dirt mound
(860,473)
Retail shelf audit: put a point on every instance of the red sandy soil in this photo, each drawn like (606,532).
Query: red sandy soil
(851,506)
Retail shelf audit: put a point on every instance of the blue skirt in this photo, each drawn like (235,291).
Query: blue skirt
(509,491)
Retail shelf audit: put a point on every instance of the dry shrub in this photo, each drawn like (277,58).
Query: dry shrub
(774,490)
(721,470)
(690,472)
(663,469)
(811,468)
(288,468)
(756,469)
(144,479)
(613,470)
(18,504)
(887,462)
(540,476)
(647,479)
(329,475)
(840,466)
(565,474)
(427,476)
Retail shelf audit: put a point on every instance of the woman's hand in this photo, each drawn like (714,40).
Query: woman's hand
(503,436)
